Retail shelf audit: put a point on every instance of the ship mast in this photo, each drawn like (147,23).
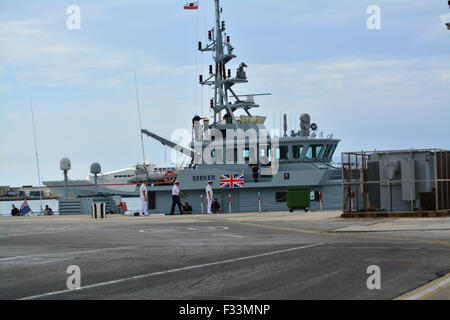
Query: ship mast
(219,43)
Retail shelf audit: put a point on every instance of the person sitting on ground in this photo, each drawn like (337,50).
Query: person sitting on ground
(187,208)
(47,211)
(14,211)
(215,206)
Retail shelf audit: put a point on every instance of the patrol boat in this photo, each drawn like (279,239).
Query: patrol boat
(251,169)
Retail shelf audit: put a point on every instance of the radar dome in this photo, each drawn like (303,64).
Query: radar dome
(65,164)
(96,168)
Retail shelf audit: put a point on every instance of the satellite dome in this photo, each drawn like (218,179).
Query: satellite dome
(96,168)
(65,164)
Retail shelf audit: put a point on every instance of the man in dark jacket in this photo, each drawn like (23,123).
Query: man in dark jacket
(14,211)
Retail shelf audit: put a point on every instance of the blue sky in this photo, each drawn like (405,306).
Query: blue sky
(374,89)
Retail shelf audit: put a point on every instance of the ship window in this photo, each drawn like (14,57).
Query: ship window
(313,151)
(297,151)
(264,155)
(329,151)
(333,148)
(246,154)
(284,153)
(269,155)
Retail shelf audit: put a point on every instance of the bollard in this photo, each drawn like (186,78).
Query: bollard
(259,202)
(229,203)
(320,201)
(201,202)
(99,210)
(352,196)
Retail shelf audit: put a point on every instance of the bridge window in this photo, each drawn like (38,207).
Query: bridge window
(283,153)
(246,155)
(314,151)
(297,151)
(330,152)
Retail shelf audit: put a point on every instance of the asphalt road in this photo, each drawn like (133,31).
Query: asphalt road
(242,256)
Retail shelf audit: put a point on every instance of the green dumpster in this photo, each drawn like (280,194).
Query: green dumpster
(298,198)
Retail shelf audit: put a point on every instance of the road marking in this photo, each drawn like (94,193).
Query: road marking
(70,253)
(101,284)
(330,234)
(184,229)
(35,260)
(230,235)
(427,290)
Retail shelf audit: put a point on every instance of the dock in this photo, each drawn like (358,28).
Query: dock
(251,256)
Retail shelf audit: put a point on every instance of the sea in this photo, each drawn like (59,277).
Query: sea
(133,205)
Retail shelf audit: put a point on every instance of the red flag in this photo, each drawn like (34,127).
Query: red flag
(191,6)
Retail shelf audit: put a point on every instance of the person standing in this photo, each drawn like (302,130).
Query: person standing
(144,200)
(209,195)
(176,192)
(14,211)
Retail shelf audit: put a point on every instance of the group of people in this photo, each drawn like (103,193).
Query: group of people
(213,205)
(187,209)
(16,212)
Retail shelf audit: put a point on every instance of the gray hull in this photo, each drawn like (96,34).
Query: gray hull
(85,188)
(272,190)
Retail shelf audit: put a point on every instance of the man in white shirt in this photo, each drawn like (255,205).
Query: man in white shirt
(176,198)
(144,202)
(209,195)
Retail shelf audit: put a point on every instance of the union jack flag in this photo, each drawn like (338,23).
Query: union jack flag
(191,6)
(231,181)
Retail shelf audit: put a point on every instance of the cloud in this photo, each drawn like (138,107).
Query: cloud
(36,55)
(358,79)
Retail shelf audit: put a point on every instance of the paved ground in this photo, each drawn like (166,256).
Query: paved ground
(240,256)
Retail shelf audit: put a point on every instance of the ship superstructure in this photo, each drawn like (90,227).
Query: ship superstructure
(235,145)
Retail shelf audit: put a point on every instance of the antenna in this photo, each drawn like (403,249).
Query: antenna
(65,165)
(95,170)
(140,121)
(36,151)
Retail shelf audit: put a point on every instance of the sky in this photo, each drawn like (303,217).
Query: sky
(373,89)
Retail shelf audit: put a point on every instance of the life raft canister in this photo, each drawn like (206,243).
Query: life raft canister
(170,180)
